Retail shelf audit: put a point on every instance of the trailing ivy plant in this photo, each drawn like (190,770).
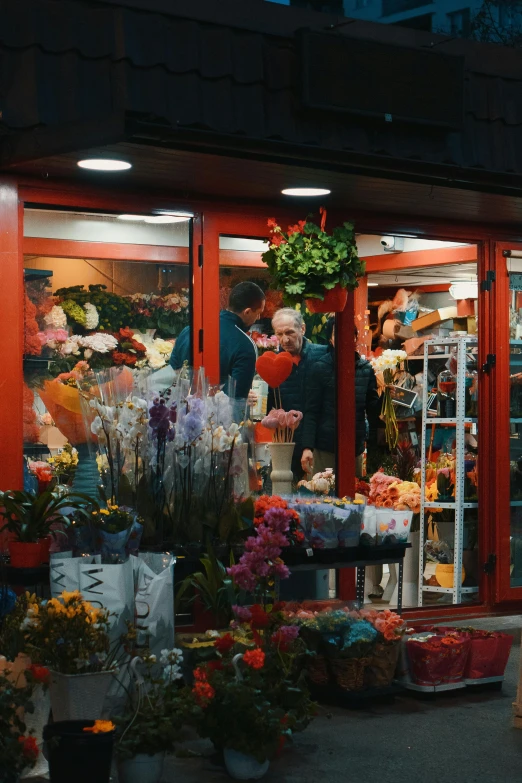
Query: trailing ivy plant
(305,261)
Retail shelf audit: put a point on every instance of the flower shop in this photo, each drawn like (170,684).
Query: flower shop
(179,560)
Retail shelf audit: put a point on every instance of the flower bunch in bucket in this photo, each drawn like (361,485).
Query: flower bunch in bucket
(69,635)
(385,367)
(283,424)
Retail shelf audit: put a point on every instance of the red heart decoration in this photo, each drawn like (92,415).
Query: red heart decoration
(275,368)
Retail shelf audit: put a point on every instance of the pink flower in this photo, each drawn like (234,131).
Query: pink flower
(242,613)
(270,423)
(293,418)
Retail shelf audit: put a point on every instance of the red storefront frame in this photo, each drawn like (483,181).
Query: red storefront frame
(209,223)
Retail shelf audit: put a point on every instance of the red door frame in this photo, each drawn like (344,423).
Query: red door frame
(208,224)
(500,499)
(487,464)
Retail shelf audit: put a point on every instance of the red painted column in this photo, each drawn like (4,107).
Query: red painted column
(12,330)
(210,279)
(345,355)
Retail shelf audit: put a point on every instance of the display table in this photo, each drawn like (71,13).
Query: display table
(354,557)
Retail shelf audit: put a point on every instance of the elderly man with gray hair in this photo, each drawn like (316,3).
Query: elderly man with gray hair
(289,328)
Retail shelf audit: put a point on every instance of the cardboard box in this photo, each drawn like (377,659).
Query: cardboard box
(430,319)
(467,324)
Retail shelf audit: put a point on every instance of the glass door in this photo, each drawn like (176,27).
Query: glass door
(507,496)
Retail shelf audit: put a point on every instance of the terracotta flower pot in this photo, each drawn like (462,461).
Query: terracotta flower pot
(45,544)
(25,555)
(334,301)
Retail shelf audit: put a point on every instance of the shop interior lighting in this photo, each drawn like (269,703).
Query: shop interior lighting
(464,290)
(131,217)
(166,219)
(104,164)
(305,192)
(373,284)
(174,213)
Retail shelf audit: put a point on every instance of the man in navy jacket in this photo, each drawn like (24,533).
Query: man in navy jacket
(289,328)
(237,352)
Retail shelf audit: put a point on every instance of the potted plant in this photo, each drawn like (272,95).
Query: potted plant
(31,518)
(79,750)
(253,695)
(150,724)
(71,637)
(306,262)
(119,532)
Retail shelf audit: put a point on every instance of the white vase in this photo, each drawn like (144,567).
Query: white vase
(141,768)
(78,696)
(410,582)
(281,475)
(242,767)
(35,722)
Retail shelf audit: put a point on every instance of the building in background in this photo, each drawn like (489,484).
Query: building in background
(454,17)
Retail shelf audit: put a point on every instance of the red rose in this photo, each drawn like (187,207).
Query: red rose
(40,673)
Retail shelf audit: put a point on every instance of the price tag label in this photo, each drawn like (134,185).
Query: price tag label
(310,552)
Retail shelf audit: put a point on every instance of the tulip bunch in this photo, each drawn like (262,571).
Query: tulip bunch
(283,424)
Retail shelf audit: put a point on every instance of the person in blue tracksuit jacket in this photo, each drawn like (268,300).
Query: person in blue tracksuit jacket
(237,352)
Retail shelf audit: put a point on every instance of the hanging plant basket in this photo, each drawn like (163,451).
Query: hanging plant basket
(334,301)
(305,259)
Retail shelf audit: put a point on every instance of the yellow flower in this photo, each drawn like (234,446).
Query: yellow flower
(75,595)
(105,512)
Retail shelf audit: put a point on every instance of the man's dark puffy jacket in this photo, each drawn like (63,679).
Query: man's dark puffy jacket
(295,389)
(237,353)
(319,430)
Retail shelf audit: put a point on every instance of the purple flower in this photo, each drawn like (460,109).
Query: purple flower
(242,613)
(192,425)
(159,418)
(196,405)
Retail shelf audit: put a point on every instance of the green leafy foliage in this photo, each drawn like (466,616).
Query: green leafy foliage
(31,516)
(114,311)
(151,720)
(212,586)
(15,754)
(306,260)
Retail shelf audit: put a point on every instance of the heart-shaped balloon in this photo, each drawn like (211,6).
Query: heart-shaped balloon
(275,368)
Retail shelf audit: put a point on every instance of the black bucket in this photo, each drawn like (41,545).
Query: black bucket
(77,756)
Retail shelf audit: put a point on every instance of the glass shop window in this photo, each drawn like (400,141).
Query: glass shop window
(101,291)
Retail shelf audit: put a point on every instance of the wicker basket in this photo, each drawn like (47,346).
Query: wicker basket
(318,670)
(349,672)
(381,665)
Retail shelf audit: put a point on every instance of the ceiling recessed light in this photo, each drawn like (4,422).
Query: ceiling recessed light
(305,192)
(131,217)
(104,164)
(166,219)
(174,213)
